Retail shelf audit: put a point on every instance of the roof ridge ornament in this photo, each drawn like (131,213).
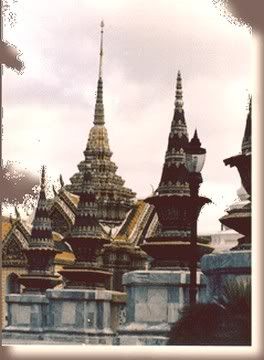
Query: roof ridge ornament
(61,181)
(18,216)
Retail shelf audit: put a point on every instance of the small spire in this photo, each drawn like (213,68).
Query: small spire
(99,106)
(179,98)
(195,142)
(41,233)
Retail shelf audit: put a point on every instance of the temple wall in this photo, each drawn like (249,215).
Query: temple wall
(6,272)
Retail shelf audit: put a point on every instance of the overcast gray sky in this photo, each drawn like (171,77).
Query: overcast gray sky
(145,43)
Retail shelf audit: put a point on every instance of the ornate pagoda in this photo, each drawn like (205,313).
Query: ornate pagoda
(41,250)
(113,199)
(173,201)
(86,239)
(239,217)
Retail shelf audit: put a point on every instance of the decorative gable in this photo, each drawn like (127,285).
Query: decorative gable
(12,254)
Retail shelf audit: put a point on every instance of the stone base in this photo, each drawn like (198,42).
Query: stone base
(27,313)
(224,267)
(69,316)
(154,300)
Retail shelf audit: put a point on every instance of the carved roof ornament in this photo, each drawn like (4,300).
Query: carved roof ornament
(18,216)
(179,97)
(54,191)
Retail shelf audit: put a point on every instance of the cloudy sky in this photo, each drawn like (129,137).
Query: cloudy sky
(48,110)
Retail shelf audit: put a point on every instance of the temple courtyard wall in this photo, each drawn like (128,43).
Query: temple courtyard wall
(141,316)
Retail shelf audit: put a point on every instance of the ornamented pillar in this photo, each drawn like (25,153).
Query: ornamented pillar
(170,247)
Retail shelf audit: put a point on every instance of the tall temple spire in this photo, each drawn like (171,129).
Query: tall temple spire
(114,200)
(99,106)
(174,175)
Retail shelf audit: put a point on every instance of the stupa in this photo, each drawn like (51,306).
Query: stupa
(113,199)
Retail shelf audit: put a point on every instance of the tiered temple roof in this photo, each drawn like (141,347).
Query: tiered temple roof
(113,198)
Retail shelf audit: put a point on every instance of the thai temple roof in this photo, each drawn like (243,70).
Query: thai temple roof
(113,197)
(137,223)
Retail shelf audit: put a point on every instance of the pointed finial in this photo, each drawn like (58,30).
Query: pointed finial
(179,99)
(101,50)
(61,181)
(18,217)
(99,106)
